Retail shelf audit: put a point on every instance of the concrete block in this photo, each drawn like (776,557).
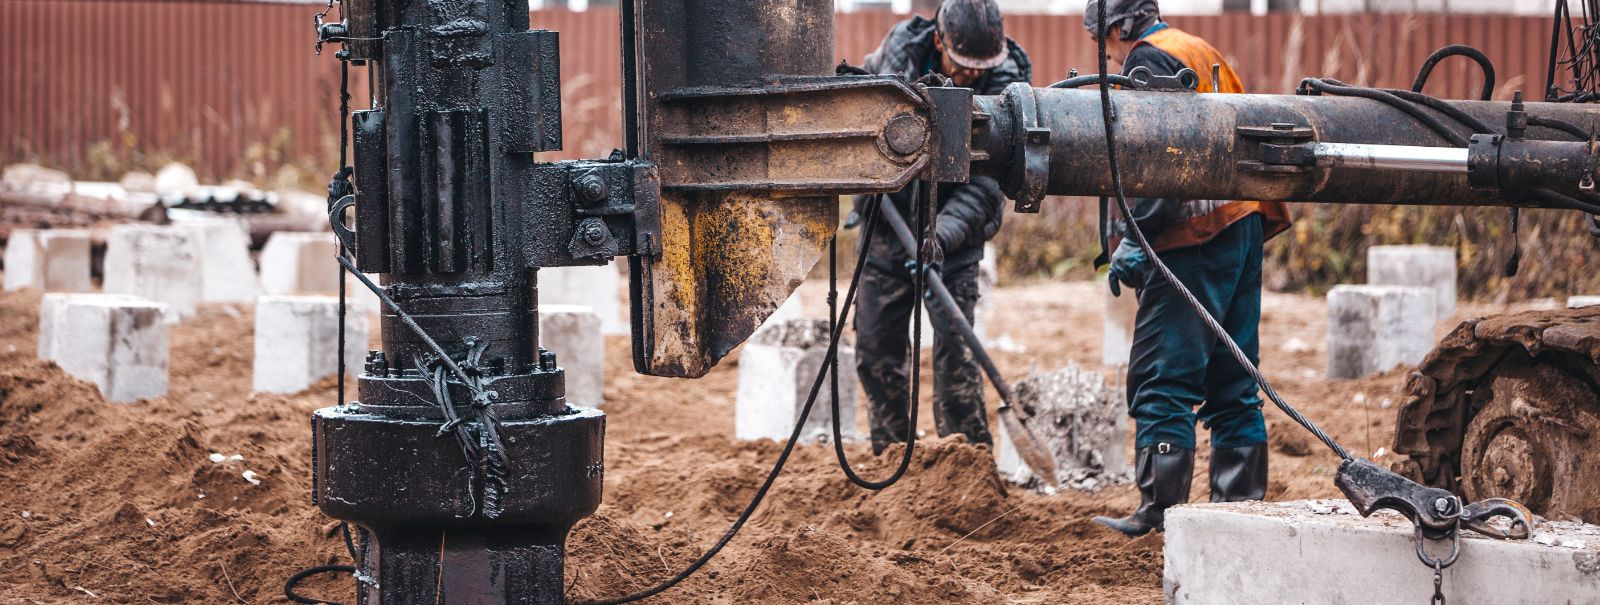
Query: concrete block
(161,263)
(54,260)
(118,342)
(297,342)
(1117,317)
(596,287)
(1573,302)
(1431,267)
(1374,328)
(299,262)
(1081,418)
(776,369)
(1321,551)
(572,332)
(227,274)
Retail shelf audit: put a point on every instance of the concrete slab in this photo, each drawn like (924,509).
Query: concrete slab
(299,262)
(1375,328)
(1578,302)
(297,342)
(1117,316)
(227,274)
(117,342)
(53,260)
(1321,551)
(161,263)
(1431,267)
(573,333)
(1082,419)
(776,369)
(596,287)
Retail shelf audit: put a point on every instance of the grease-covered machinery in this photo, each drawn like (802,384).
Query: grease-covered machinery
(460,461)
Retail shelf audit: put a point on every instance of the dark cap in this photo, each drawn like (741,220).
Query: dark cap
(973,35)
(1128,18)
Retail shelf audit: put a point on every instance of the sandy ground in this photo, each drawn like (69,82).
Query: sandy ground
(105,503)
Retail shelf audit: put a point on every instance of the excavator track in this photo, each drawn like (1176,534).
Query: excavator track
(1509,406)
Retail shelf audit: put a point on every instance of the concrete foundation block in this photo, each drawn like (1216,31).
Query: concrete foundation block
(573,333)
(596,287)
(1321,551)
(1431,267)
(1117,317)
(54,260)
(297,342)
(227,274)
(776,369)
(161,263)
(299,262)
(117,342)
(1375,328)
(1578,302)
(1081,418)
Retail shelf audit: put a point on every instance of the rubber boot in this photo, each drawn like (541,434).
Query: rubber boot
(1239,473)
(1164,473)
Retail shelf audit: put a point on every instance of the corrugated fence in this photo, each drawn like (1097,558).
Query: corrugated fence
(98,86)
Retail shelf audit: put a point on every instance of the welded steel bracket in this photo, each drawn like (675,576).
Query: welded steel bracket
(797,136)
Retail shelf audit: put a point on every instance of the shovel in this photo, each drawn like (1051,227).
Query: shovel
(1029,448)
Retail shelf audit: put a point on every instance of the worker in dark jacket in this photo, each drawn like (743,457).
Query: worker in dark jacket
(966,43)
(1179,372)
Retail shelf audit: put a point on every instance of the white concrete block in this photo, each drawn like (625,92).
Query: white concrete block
(118,342)
(299,262)
(1117,317)
(777,367)
(596,287)
(1081,418)
(1321,551)
(161,263)
(227,274)
(1578,302)
(573,333)
(54,260)
(1375,328)
(297,342)
(1432,267)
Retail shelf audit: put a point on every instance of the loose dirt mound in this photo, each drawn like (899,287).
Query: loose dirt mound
(126,502)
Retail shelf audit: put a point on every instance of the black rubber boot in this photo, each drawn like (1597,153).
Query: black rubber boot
(1239,473)
(1164,473)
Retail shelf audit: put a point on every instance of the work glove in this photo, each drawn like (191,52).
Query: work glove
(1130,266)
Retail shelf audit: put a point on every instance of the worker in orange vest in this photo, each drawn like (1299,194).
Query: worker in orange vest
(1179,373)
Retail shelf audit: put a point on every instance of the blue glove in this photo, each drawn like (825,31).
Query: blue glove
(1130,266)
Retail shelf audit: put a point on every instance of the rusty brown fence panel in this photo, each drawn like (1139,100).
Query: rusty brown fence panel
(101,86)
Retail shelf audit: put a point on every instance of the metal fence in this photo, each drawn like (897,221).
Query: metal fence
(99,86)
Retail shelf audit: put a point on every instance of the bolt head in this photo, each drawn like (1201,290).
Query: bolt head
(592,187)
(1442,505)
(594,234)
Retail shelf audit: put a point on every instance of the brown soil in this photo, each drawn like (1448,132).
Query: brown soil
(122,503)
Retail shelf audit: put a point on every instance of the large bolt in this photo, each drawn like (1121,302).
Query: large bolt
(592,188)
(594,233)
(905,134)
(1442,505)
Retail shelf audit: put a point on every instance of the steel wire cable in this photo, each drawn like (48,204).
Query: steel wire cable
(1166,273)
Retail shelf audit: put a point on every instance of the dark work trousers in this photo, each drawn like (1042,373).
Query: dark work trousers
(1177,365)
(883,357)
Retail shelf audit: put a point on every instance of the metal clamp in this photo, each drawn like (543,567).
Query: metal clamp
(1028,178)
(1186,80)
(1436,513)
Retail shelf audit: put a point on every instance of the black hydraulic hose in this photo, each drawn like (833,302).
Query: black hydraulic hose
(1166,273)
(1426,119)
(1081,81)
(1563,126)
(1457,50)
(300,576)
(835,323)
(777,467)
